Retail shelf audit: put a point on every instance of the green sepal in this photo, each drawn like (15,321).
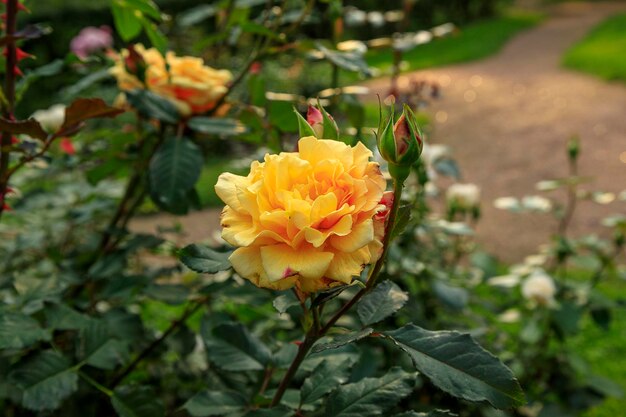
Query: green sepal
(304,128)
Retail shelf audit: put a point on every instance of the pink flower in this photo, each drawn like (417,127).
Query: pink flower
(91,39)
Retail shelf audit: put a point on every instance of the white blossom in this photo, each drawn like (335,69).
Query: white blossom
(52,118)
(539,288)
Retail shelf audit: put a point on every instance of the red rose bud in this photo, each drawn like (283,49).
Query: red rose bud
(67,146)
(314,117)
(386,201)
(400,143)
(256,67)
(318,123)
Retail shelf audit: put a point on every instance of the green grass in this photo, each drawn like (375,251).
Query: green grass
(606,350)
(603,51)
(475,41)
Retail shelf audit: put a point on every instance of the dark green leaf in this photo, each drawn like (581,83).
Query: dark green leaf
(127,23)
(153,106)
(174,170)
(402,220)
(279,411)
(370,396)
(343,339)
(604,386)
(63,317)
(434,413)
(453,297)
(30,127)
(349,61)
(232,347)
(157,39)
(204,259)
(215,403)
(216,126)
(284,301)
(458,365)
(168,293)
(137,401)
(567,317)
(325,378)
(18,331)
(46,380)
(98,348)
(384,300)
(280,115)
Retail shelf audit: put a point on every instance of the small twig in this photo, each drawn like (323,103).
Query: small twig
(144,353)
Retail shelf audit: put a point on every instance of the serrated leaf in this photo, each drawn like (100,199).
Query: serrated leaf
(30,127)
(84,109)
(203,259)
(370,396)
(402,220)
(343,339)
(232,347)
(174,170)
(215,403)
(18,331)
(152,106)
(137,401)
(98,348)
(325,378)
(63,317)
(46,380)
(216,126)
(458,365)
(384,300)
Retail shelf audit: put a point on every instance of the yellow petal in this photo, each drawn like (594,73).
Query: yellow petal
(282,261)
(361,235)
(227,188)
(247,263)
(345,266)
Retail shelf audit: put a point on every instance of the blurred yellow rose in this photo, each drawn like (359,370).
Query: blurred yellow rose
(189,84)
(306,219)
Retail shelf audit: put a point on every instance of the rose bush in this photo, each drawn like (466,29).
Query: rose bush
(307,218)
(185,81)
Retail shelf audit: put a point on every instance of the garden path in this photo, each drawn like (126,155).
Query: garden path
(507,119)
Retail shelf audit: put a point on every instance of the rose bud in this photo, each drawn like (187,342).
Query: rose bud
(400,144)
(318,123)
(315,119)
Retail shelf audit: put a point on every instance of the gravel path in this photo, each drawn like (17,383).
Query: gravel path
(507,119)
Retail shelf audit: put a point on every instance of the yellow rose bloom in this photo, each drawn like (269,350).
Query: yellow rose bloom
(189,84)
(306,219)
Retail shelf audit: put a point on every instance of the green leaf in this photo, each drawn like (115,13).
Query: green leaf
(453,297)
(283,302)
(567,317)
(343,339)
(63,317)
(370,396)
(232,347)
(325,378)
(384,300)
(137,401)
(127,23)
(196,14)
(203,259)
(215,403)
(174,171)
(348,61)
(331,131)
(99,348)
(216,126)
(152,106)
(18,331)
(402,220)
(434,413)
(157,39)
(46,380)
(304,128)
(168,293)
(279,411)
(455,363)
(84,109)
(30,127)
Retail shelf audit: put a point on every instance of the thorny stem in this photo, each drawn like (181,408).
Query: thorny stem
(189,311)
(9,93)
(314,333)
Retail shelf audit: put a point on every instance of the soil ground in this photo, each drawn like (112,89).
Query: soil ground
(507,119)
